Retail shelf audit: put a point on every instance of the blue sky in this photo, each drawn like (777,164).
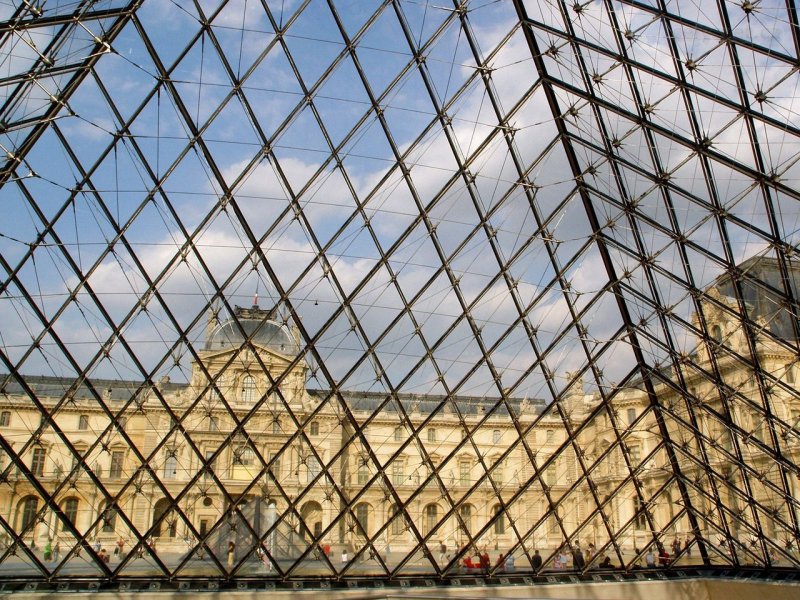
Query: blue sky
(328,189)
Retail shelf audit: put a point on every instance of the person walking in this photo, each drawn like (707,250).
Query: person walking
(485,561)
(577,559)
(442,552)
(509,566)
(500,565)
(536,561)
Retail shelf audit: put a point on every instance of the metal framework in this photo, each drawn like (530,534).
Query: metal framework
(470,218)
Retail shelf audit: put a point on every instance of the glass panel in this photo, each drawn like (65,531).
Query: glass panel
(389,290)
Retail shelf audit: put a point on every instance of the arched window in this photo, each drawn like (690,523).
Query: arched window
(248,389)
(431,517)
(26,512)
(108,518)
(70,510)
(398,520)
(167,524)
(716,333)
(500,523)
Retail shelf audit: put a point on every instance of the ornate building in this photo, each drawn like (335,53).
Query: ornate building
(245,453)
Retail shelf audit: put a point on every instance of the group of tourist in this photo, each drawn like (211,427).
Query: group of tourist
(569,557)
(52,551)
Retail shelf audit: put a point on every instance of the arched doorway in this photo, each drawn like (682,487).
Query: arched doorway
(167,525)
(311,514)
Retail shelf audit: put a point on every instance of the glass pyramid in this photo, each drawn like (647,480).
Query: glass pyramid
(340,289)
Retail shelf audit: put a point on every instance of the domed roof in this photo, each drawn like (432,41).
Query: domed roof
(254,325)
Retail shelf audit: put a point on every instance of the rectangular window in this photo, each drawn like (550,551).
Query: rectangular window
(639,520)
(552,525)
(550,435)
(496,435)
(244,455)
(431,434)
(463,473)
(37,461)
(313,468)
(500,523)
(83,422)
(276,425)
(636,454)
(631,415)
(498,476)
(398,473)
(398,434)
(207,472)
(363,474)
(5,418)
(362,516)
(398,524)
(117,458)
(213,423)
(550,475)
(171,467)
